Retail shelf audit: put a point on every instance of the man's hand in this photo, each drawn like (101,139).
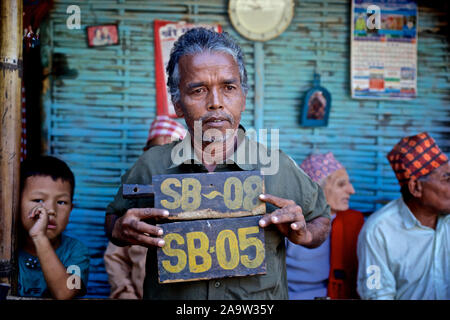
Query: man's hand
(290,221)
(130,229)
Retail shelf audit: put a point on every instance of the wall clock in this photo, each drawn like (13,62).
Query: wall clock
(261,20)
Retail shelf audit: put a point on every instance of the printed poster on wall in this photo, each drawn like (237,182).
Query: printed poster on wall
(384,49)
(165,34)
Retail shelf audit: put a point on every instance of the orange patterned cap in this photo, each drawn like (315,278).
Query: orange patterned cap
(415,156)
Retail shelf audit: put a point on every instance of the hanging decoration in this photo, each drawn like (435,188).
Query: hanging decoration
(34,12)
(316,106)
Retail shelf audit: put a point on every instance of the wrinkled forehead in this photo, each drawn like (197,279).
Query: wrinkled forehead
(191,64)
(38,183)
(338,175)
(442,171)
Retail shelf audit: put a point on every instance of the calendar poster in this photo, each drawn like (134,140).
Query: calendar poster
(384,49)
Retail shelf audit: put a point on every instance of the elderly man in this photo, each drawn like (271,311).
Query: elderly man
(208,85)
(404,248)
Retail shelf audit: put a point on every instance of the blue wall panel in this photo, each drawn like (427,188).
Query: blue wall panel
(98,121)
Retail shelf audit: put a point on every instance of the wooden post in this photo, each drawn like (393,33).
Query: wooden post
(259,85)
(10,130)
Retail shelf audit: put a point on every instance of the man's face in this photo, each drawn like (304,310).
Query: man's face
(436,190)
(210,91)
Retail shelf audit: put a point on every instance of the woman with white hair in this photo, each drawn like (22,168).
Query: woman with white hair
(329,270)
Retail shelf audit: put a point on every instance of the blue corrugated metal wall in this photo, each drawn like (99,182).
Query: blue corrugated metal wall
(98,122)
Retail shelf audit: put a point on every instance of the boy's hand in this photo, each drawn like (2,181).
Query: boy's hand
(40,215)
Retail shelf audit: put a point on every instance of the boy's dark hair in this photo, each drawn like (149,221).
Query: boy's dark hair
(46,166)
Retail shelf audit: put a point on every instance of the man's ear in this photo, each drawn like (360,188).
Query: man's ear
(415,187)
(178,110)
(245,101)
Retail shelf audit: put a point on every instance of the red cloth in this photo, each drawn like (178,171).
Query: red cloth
(345,229)
(34,11)
(164,126)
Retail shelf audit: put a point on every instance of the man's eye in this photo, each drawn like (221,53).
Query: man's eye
(199,91)
(229,88)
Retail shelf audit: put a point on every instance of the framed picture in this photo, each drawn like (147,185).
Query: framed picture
(103,35)
(316,106)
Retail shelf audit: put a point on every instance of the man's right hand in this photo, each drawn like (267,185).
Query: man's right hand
(131,229)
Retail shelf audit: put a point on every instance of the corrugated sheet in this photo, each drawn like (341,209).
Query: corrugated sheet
(360,133)
(99,121)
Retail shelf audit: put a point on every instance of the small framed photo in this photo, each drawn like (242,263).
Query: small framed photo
(316,106)
(103,35)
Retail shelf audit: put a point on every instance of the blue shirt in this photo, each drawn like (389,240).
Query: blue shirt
(399,258)
(307,270)
(71,252)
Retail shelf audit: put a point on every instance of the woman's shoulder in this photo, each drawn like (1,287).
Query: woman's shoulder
(350,214)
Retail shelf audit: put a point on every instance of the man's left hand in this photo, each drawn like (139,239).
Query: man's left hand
(288,219)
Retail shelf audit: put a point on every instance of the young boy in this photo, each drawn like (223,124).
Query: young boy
(50,264)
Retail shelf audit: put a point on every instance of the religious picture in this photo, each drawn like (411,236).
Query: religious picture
(316,106)
(104,35)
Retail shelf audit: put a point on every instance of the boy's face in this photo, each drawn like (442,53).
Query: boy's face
(54,196)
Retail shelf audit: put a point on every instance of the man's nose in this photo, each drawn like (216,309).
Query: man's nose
(351,190)
(215,100)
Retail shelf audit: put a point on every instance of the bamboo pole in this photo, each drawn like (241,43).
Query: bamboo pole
(10,130)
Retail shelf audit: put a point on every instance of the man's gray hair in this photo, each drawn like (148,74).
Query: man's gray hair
(199,40)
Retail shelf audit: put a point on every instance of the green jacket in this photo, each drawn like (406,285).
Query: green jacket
(289,182)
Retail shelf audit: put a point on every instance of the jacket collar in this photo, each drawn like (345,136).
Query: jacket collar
(408,218)
(183,152)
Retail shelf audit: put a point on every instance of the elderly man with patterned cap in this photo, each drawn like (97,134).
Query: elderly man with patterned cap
(404,248)
(330,269)
(126,265)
